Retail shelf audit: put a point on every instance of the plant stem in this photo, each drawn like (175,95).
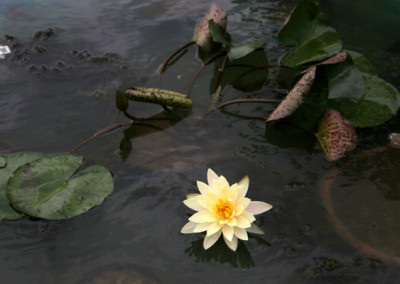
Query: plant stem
(104,131)
(208,61)
(246,101)
(186,45)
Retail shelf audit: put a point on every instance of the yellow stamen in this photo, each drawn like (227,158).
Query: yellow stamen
(223,209)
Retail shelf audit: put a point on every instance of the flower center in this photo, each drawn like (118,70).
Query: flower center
(223,209)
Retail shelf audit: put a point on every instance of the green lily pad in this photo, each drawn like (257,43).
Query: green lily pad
(242,50)
(336,135)
(3,162)
(380,102)
(49,188)
(310,34)
(13,162)
(363,63)
(345,81)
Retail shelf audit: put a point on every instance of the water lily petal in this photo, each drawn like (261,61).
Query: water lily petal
(193,204)
(240,233)
(211,175)
(231,244)
(190,195)
(255,230)
(228,232)
(248,216)
(201,227)
(210,240)
(213,228)
(258,207)
(232,222)
(244,202)
(244,186)
(188,228)
(203,188)
(203,217)
(220,184)
(242,222)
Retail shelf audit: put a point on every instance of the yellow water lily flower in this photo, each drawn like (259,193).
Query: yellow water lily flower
(223,209)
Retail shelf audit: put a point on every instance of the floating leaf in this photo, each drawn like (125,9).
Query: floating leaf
(13,162)
(295,97)
(158,96)
(3,162)
(202,34)
(242,50)
(380,102)
(363,63)
(309,32)
(336,135)
(48,188)
(345,81)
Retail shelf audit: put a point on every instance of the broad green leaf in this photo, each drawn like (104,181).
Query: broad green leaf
(3,162)
(313,39)
(202,35)
(219,34)
(295,97)
(336,135)
(13,162)
(48,188)
(379,103)
(345,81)
(241,50)
(363,63)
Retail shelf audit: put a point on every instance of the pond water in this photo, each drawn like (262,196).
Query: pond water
(58,88)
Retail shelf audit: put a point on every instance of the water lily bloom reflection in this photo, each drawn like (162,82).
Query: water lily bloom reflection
(223,209)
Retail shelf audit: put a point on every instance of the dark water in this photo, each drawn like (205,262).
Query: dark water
(58,88)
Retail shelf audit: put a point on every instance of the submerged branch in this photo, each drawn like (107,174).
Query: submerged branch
(186,45)
(246,101)
(101,132)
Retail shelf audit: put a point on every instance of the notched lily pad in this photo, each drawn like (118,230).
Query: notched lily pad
(48,188)
(336,135)
(13,162)
(295,97)
(311,35)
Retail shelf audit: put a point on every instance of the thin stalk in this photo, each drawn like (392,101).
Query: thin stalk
(221,71)
(186,45)
(247,101)
(208,61)
(104,131)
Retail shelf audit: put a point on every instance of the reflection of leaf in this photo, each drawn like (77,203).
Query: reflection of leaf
(154,124)
(345,81)
(221,253)
(312,37)
(295,97)
(336,135)
(48,188)
(14,161)
(379,103)
(242,50)
(247,73)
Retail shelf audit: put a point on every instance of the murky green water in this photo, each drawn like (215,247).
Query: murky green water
(58,88)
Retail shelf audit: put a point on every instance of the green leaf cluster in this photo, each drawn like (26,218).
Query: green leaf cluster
(49,186)
(352,85)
